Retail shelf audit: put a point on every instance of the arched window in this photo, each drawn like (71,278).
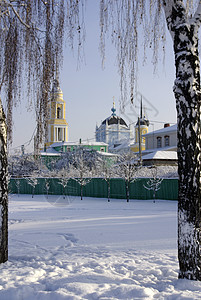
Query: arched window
(59,113)
(167,141)
(159,142)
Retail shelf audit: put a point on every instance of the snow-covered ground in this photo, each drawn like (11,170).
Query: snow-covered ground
(92,249)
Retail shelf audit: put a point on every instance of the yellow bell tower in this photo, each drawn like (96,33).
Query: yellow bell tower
(142,126)
(57,125)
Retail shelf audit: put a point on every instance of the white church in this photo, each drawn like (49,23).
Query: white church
(113,130)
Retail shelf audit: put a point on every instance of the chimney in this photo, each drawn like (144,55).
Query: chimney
(166,125)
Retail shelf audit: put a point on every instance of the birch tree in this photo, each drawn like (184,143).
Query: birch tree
(154,183)
(31,39)
(130,19)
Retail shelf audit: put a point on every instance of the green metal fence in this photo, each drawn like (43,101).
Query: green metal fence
(97,187)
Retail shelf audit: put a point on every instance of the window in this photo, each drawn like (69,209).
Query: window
(167,141)
(59,116)
(59,134)
(159,142)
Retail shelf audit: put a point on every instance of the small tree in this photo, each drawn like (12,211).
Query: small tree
(17,183)
(64,177)
(22,166)
(127,168)
(33,181)
(108,173)
(81,164)
(154,183)
(82,182)
(47,186)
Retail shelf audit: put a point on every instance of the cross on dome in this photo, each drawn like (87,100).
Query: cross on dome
(113,109)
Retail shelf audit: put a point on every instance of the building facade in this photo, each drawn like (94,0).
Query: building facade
(162,139)
(71,146)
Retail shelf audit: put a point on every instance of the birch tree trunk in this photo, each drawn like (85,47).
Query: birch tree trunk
(3,188)
(187,93)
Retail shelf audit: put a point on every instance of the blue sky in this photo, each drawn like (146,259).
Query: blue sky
(89,91)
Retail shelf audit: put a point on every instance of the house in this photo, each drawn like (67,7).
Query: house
(55,150)
(71,146)
(164,139)
(161,146)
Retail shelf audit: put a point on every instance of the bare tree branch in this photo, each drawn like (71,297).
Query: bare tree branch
(18,16)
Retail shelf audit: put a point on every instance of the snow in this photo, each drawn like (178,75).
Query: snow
(91,249)
(83,143)
(161,155)
(162,172)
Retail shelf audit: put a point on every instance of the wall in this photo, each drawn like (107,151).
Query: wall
(151,140)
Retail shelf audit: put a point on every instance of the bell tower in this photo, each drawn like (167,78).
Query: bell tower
(57,125)
(142,128)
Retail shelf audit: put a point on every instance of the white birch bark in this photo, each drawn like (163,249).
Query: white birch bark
(184,32)
(3,188)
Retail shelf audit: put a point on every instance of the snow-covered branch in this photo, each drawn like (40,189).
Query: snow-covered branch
(33,181)
(154,184)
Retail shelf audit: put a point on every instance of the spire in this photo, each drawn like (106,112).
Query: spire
(113,109)
(143,120)
(57,70)
(56,88)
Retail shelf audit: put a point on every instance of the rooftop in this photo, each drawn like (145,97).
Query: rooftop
(168,129)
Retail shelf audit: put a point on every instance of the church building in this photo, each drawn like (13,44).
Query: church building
(113,130)
(57,125)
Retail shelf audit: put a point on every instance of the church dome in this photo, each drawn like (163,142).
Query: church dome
(143,122)
(114,119)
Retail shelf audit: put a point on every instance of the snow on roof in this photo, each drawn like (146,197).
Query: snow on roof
(169,148)
(42,153)
(167,155)
(169,129)
(50,152)
(107,154)
(85,143)
(124,144)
